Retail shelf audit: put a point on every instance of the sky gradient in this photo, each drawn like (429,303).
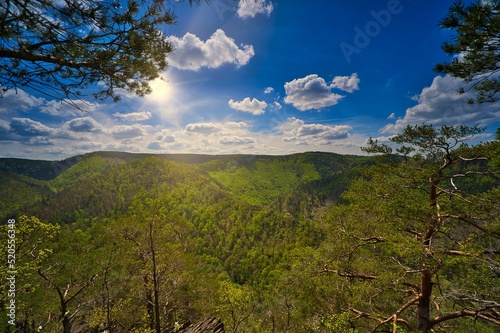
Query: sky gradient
(273,77)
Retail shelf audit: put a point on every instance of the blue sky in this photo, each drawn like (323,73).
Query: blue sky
(272,77)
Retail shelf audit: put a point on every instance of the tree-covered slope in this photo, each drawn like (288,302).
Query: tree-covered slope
(220,232)
(102,181)
(19,191)
(261,180)
(120,242)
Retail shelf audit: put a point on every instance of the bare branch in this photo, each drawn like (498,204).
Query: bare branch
(461,314)
(348,274)
(395,315)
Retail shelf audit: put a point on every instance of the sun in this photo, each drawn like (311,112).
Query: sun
(162,91)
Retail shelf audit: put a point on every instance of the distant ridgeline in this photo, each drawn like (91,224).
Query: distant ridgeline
(256,179)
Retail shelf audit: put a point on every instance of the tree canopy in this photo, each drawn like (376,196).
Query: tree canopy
(60,48)
(419,237)
(475,48)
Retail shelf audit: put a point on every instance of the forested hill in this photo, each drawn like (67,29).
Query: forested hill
(309,242)
(47,170)
(111,178)
(225,229)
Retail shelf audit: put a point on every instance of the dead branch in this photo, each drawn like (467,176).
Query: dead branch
(395,315)
(348,274)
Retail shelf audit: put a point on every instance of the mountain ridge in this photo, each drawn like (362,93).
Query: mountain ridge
(49,169)
(258,180)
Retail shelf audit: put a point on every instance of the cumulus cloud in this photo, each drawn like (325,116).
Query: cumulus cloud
(68,108)
(296,130)
(236,140)
(440,104)
(221,129)
(203,128)
(49,153)
(134,116)
(127,132)
(251,8)
(276,105)
(30,128)
(310,92)
(268,90)
(253,106)
(162,140)
(85,124)
(346,83)
(165,136)
(191,53)
(5,132)
(41,141)
(19,100)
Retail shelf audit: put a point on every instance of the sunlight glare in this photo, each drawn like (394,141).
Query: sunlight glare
(162,91)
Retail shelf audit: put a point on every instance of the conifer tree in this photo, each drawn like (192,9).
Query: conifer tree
(419,238)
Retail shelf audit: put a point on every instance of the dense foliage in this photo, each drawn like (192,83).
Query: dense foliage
(420,245)
(136,243)
(58,48)
(475,48)
(213,241)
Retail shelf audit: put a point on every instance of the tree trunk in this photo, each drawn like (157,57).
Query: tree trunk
(149,302)
(155,281)
(65,320)
(66,324)
(424,301)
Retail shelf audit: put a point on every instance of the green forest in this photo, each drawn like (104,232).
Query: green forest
(405,238)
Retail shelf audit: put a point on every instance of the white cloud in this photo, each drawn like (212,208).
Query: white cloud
(346,83)
(5,133)
(164,140)
(19,100)
(165,136)
(47,153)
(28,127)
(190,53)
(203,128)
(41,141)
(236,125)
(253,106)
(68,109)
(268,90)
(34,132)
(250,8)
(392,116)
(295,130)
(236,140)
(440,104)
(85,124)
(310,92)
(134,116)
(219,129)
(127,132)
